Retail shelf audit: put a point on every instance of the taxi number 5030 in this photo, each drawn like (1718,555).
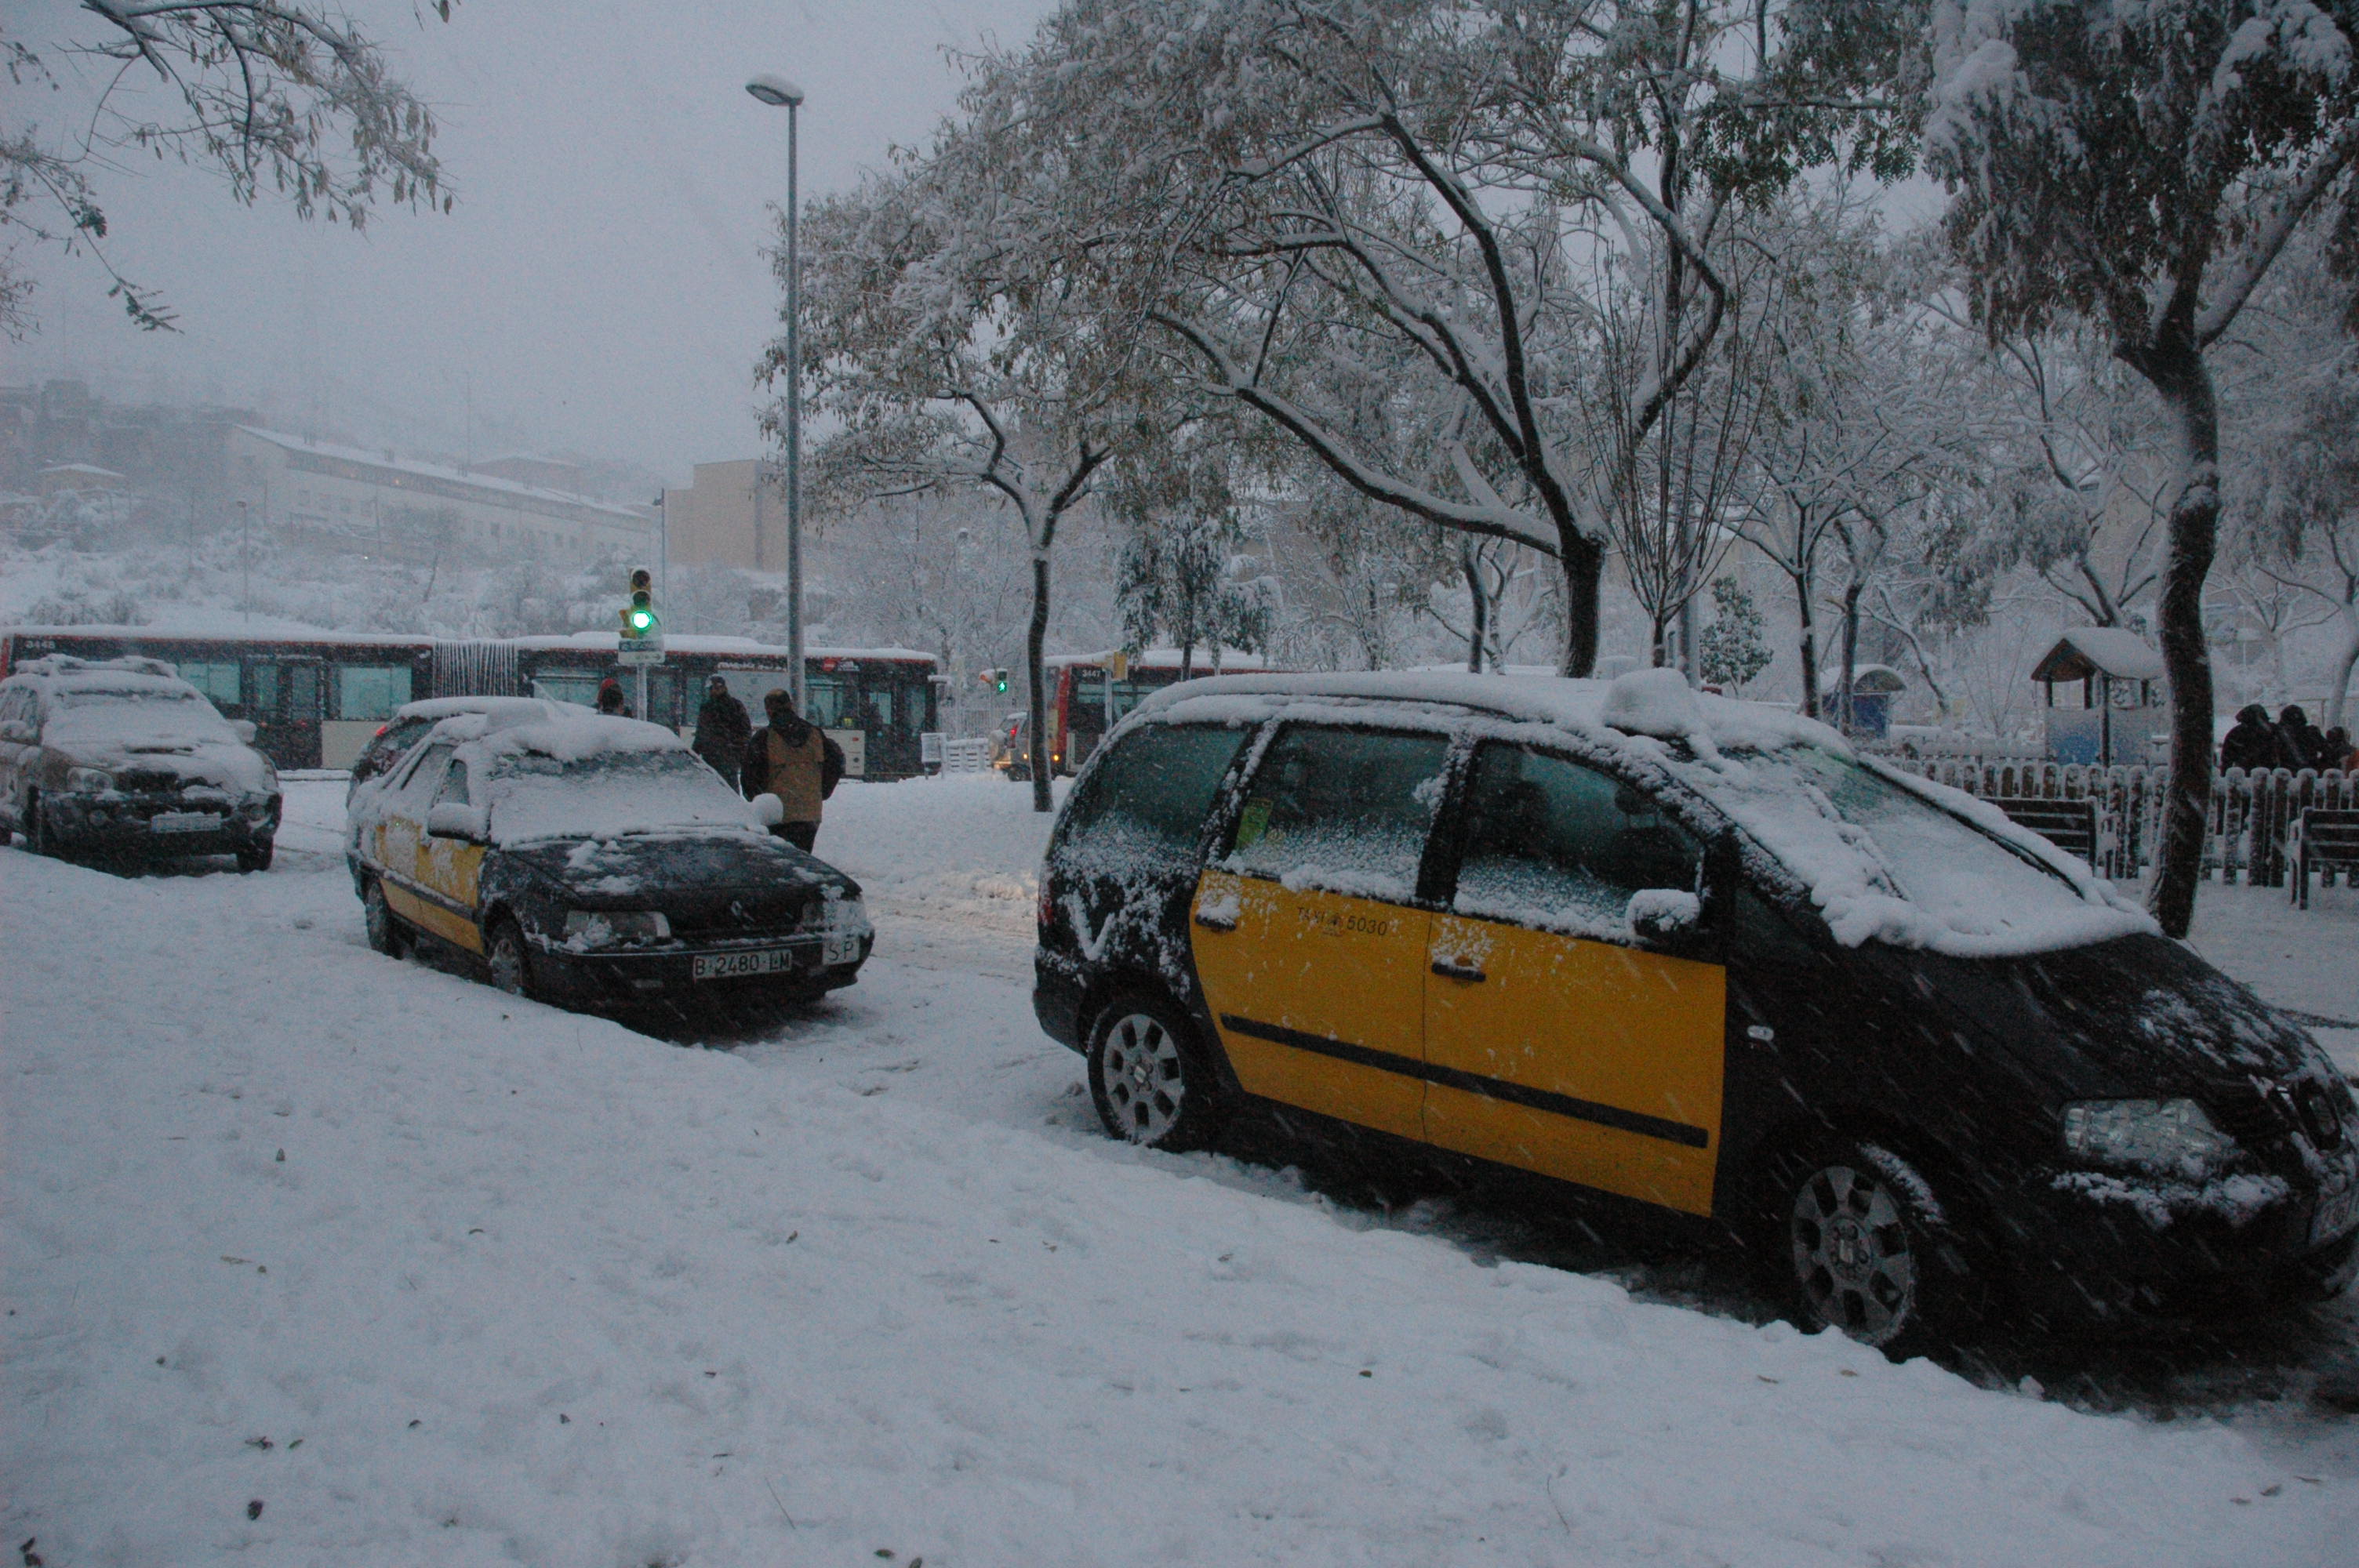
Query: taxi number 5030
(1358,924)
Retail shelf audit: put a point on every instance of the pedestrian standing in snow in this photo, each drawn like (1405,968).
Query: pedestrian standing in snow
(795,761)
(2300,745)
(2340,750)
(722,728)
(610,699)
(2251,742)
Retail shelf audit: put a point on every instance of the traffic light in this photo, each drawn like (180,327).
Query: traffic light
(995,679)
(639,621)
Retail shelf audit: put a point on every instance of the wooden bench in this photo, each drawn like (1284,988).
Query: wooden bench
(2323,840)
(2069,825)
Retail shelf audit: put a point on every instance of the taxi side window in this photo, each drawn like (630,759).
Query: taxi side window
(1348,810)
(418,785)
(454,787)
(1551,842)
(1152,793)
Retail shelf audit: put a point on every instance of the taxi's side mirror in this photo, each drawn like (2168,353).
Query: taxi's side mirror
(17,731)
(454,820)
(1664,914)
(770,810)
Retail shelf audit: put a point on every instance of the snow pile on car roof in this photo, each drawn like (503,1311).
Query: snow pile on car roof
(440,707)
(570,737)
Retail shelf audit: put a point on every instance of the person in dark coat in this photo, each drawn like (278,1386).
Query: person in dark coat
(2251,742)
(2300,745)
(2339,754)
(722,728)
(793,759)
(610,699)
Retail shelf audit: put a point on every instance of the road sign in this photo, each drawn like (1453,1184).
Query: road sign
(640,654)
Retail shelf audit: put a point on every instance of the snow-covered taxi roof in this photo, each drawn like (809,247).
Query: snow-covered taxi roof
(567,734)
(1847,874)
(440,707)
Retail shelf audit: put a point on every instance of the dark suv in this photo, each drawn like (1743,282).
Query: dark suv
(121,757)
(1695,956)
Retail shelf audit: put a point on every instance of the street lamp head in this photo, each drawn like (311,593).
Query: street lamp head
(776,91)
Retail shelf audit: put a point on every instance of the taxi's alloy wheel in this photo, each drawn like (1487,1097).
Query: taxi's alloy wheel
(385,932)
(1151,1084)
(511,963)
(1855,1249)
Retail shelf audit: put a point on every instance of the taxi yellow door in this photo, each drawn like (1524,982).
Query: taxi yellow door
(394,840)
(1307,937)
(1556,1041)
(449,870)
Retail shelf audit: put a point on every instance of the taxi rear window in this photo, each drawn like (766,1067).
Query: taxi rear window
(1153,791)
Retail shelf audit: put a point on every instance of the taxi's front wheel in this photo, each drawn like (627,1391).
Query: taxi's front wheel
(1857,1241)
(510,960)
(385,932)
(1151,1081)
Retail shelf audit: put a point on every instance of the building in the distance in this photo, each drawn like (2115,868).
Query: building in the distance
(731,515)
(377,503)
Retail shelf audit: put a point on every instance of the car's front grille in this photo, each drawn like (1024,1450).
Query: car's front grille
(747,914)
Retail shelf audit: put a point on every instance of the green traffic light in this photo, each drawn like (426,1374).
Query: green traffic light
(642,619)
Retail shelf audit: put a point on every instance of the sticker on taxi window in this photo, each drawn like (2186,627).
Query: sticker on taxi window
(1254,824)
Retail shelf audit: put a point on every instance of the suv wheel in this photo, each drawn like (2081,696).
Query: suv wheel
(385,932)
(1152,1085)
(510,960)
(1855,1239)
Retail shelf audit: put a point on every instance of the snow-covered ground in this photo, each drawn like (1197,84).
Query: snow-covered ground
(429,1275)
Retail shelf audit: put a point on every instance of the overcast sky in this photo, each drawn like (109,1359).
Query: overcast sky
(597,289)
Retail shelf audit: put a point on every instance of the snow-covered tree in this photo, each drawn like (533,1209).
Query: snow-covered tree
(280,97)
(1732,651)
(1185,577)
(2143,166)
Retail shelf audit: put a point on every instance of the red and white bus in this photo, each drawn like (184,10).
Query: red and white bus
(1086,698)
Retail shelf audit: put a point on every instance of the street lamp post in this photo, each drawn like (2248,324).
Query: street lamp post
(246,557)
(779,92)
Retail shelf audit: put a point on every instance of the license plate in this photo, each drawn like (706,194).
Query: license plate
(183,822)
(2335,1214)
(833,950)
(729,966)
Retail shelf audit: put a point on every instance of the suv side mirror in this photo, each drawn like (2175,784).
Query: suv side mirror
(451,819)
(245,728)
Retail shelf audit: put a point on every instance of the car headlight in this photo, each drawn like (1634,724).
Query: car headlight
(2173,1137)
(600,928)
(90,781)
(836,917)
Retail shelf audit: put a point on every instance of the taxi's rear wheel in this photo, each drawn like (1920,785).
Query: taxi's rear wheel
(385,932)
(1854,1238)
(510,959)
(1150,1080)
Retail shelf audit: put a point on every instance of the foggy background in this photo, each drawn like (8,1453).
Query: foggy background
(597,289)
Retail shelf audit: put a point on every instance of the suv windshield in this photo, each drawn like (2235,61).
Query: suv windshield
(131,715)
(533,795)
(1970,880)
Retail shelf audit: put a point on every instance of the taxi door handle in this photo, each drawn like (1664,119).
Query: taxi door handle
(1451,970)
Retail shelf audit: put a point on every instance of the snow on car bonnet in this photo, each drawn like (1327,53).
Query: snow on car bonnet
(1883,854)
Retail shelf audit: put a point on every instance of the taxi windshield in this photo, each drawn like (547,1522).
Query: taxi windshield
(606,794)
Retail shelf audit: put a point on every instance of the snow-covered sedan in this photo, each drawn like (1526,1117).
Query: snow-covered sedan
(1695,958)
(121,758)
(596,861)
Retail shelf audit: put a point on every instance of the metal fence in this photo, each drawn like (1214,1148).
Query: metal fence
(2244,837)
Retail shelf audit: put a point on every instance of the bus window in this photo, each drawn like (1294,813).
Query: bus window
(568,687)
(370,691)
(823,703)
(218,680)
(750,687)
(263,682)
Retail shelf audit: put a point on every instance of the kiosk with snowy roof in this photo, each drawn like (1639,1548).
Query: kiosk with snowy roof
(2120,714)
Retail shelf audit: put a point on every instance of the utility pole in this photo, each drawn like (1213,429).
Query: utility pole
(779,92)
(246,558)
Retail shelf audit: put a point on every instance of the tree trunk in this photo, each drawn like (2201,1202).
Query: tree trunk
(1584,571)
(1036,637)
(2339,695)
(1810,647)
(2176,367)
(1476,606)
(1844,705)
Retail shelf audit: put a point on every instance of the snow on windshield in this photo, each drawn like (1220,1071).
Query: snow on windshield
(127,715)
(1883,861)
(606,794)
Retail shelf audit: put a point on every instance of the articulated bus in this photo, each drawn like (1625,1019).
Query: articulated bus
(316,699)
(1086,699)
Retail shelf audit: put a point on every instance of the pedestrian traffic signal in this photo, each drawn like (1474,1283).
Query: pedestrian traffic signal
(639,620)
(995,679)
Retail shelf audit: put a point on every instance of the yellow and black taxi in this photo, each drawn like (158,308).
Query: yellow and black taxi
(596,861)
(1692,955)
(121,758)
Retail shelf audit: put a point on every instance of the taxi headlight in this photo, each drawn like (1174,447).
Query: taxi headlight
(601,927)
(90,781)
(2173,1137)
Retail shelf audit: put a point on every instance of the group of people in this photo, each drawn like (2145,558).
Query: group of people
(789,757)
(2291,740)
